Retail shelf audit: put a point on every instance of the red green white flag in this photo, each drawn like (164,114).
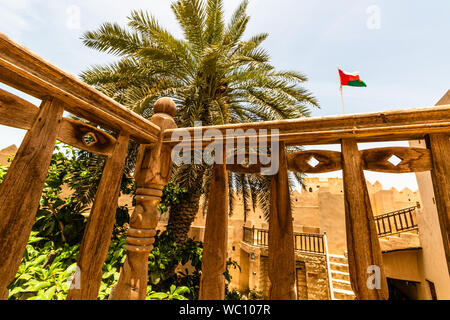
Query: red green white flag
(351,79)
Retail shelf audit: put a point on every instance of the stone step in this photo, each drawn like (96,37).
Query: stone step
(339,275)
(341,294)
(342,284)
(338,258)
(339,266)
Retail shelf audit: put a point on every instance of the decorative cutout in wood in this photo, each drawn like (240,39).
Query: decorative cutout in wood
(86,137)
(397,159)
(90,139)
(19,113)
(245,163)
(314,161)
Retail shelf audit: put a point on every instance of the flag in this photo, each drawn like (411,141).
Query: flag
(351,79)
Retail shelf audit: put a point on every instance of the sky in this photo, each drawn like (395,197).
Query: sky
(400,48)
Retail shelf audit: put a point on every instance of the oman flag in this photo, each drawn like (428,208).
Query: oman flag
(351,79)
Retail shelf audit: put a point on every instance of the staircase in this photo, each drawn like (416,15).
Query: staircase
(400,241)
(340,277)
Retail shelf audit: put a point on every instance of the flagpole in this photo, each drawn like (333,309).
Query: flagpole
(342,99)
(342,94)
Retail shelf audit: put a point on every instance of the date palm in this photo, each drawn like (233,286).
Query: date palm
(212,73)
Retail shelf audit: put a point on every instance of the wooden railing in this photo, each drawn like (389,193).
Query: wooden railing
(22,186)
(305,242)
(396,222)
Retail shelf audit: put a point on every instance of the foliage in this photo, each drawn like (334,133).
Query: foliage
(3,171)
(50,256)
(167,256)
(46,270)
(174,293)
(249,294)
(172,194)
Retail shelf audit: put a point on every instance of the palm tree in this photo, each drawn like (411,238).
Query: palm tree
(212,74)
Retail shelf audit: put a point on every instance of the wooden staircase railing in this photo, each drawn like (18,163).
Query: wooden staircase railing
(304,242)
(396,222)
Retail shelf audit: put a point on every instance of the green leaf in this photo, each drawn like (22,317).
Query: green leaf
(49,293)
(182,290)
(158,296)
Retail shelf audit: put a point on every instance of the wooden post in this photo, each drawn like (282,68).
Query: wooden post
(212,283)
(439,144)
(364,253)
(22,188)
(97,236)
(281,265)
(153,170)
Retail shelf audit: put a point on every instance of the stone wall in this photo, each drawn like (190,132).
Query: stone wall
(312,276)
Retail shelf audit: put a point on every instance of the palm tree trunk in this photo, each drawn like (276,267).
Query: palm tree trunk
(182,215)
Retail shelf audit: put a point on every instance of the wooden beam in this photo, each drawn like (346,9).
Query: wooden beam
(362,239)
(19,113)
(98,232)
(24,70)
(439,145)
(212,283)
(413,160)
(281,260)
(16,112)
(393,125)
(74,132)
(328,161)
(22,188)
(153,171)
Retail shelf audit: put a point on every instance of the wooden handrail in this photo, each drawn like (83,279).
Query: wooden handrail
(395,125)
(396,222)
(22,69)
(315,247)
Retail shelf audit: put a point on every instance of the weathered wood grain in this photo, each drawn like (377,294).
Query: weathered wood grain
(98,232)
(16,112)
(19,113)
(73,132)
(413,159)
(247,163)
(281,260)
(212,283)
(22,188)
(328,161)
(439,145)
(362,239)
(24,70)
(395,125)
(153,170)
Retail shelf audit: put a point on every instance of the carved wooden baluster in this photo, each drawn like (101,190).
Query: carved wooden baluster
(362,239)
(281,265)
(97,236)
(153,170)
(439,144)
(22,188)
(212,284)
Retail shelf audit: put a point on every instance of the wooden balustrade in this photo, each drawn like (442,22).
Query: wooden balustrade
(22,188)
(396,222)
(362,239)
(153,171)
(24,180)
(281,260)
(60,92)
(212,282)
(304,242)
